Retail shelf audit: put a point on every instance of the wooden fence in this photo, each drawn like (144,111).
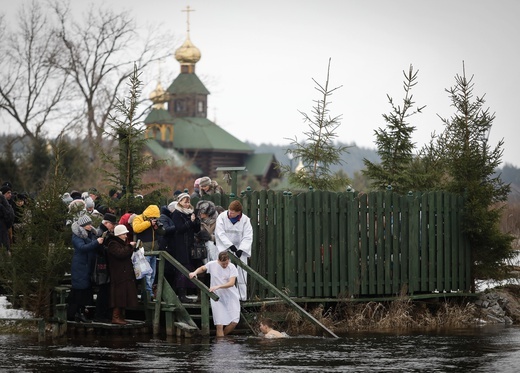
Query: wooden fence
(334,245)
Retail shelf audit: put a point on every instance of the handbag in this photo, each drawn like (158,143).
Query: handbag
(100,274)
(199,251)
(141,265)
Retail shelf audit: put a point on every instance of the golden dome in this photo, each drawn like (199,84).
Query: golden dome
(158,96)
(187,53)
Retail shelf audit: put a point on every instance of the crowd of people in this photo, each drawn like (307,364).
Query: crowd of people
(104,241)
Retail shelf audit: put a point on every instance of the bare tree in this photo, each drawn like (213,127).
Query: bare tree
(32,88)
(100,54)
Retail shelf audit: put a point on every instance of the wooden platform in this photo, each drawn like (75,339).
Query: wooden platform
(133,327)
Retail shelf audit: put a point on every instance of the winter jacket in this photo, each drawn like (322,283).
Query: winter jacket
(85,246)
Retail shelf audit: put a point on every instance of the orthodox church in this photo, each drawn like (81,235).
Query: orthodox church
(182,134)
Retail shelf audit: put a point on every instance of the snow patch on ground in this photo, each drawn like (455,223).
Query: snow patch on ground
(7,312)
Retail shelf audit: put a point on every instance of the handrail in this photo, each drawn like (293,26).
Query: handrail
(281,294)
(202,286)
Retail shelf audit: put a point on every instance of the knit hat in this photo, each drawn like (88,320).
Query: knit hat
(75,194)
(89,203)
(84,220)
(205,181)
(120,229)
(66,198)
(93,191)
(5,189)
(196,183)
(110,217)
(182,196)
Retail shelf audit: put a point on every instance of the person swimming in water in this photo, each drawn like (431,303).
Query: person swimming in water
(267,328)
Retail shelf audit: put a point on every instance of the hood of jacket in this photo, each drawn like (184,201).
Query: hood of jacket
(152,211)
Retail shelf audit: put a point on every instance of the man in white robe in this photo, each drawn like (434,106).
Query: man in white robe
(233,231)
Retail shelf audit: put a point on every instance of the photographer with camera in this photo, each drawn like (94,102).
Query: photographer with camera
(147,228)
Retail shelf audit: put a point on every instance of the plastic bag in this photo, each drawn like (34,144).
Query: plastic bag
(141,265)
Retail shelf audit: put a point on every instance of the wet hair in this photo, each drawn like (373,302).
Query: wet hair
(223,256)
(235,206)
(267,322)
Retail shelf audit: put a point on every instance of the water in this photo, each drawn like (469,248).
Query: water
(491,348)
(482,349)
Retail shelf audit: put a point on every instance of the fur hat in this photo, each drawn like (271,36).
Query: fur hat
(84,220)
(182,196)
(120,229)
(205,181)
(206,207)
(110,217)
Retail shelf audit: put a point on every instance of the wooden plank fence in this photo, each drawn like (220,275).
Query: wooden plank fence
(335,245)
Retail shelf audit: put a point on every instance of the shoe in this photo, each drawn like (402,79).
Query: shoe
(80,317)
(185,299)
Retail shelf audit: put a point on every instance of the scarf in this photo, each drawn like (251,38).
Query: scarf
(187,211)
(235,219)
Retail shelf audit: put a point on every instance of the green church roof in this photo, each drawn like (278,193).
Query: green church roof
(160,116)
(187,84)
(259,164)
(172,157)
(202,134)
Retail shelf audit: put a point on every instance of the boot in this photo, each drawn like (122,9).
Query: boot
(182,296)
(116,317)
(80,316)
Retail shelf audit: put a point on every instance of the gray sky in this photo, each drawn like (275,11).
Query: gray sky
(259,59)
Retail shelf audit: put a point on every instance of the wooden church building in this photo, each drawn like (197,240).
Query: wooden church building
(182,133)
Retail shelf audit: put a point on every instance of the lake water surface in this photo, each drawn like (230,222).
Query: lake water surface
(482,349)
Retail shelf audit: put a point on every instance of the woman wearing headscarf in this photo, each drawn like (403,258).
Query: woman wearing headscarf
(186,225)
(123,292)
(167,241)
(85,242)
(207,213)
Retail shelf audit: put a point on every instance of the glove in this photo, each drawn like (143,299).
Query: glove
(239,253)
(232,248)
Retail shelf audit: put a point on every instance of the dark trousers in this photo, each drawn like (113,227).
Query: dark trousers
(102,302)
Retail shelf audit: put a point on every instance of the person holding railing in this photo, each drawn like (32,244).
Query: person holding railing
(234,232)
(225,311)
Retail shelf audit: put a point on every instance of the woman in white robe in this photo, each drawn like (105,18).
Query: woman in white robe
(225,311)
(233,231)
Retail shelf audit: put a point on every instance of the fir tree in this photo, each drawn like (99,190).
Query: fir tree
(470,162)
(394,143)
(318,153)
(131,162)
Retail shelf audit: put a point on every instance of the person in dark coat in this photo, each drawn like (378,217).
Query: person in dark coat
(186,225)
(6,221)
(123,291)
(85,242)
(167,241)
